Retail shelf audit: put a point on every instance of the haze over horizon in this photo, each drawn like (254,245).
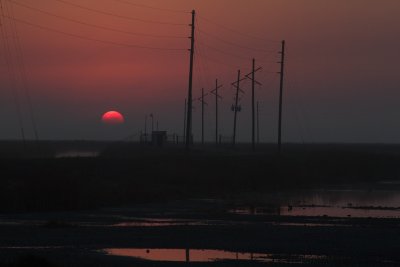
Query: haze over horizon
(342,82)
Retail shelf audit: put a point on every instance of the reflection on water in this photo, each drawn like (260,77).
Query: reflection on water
(332,203)
(164,222)
(205,255)
(341,212)
(77,154)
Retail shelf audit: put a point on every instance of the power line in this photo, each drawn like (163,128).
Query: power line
(237,32)
(93,25)
(120,16)
(152,7)
(93,39)
(233,44)
(222,51)
(12,75)
(19,54)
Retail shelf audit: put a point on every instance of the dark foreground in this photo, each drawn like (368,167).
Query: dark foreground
(71,211)
(79,238)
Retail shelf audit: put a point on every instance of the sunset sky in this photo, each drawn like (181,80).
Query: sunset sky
(86,57)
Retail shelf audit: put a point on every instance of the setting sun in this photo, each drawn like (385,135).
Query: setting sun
(112,118)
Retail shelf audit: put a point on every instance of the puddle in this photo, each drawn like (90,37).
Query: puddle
(206,255)
(331,203)
(77,154)
(152,222)
(313,224)
(340,212)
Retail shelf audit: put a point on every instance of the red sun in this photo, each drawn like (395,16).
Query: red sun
(112,118)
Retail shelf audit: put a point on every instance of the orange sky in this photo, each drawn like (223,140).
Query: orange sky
(342,66)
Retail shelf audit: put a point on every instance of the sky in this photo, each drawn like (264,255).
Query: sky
(75,60)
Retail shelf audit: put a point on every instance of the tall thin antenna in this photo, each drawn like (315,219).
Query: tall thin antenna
(190,100)
(282,62)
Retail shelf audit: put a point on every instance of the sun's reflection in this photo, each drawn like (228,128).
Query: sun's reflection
(203,255)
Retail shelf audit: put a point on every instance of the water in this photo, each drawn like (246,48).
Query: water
(360,203)
(77,154)
(206,255)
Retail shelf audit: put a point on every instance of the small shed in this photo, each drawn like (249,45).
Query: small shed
(158,138)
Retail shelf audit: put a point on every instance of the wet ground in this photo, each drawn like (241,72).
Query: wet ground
(339,226)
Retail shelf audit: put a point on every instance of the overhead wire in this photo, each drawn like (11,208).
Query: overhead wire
(93,25)
(201,17)
(222,51)
(152,7)
(118,15)
(93,39)
(10,69)
(232,43)
(23,71)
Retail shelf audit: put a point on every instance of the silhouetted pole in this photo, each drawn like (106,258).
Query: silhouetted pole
(253,138)
(190,100)
(216,112)
(145,128)
(202,116)
(187,253)
(258,125)
(152,122)
(215,92)
(184,121)
(280,97)
(236,109)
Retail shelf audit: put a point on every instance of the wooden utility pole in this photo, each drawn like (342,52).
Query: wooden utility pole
(184,121)
(215,92)
(253,115)
(258,125)
(280,97)
(145,128)
(253,135)
(236,108)
(202,116)
(190,100)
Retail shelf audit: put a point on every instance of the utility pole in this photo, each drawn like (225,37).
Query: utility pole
(253,143)
(282,62)
(184,121)
(258,125)
(145,128)
(202,114)
(236,108)
(215,92)
(190,100)
(152,122)
(253,117)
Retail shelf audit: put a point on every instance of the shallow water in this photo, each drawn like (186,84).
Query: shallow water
(205,255)
(77,154)
(360,203)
